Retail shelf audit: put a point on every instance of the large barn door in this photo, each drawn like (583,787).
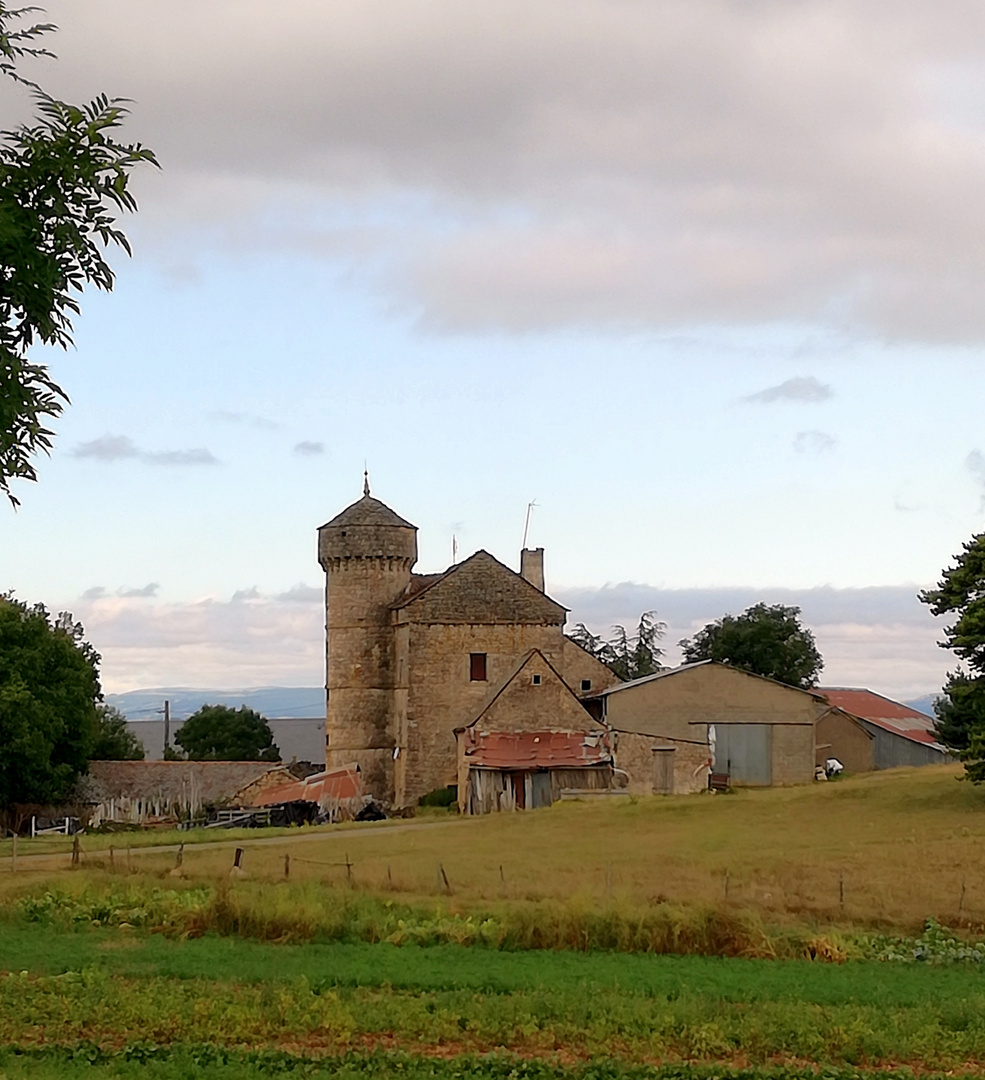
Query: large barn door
(744,752)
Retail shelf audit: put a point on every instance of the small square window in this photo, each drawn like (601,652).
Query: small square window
(536,680)
(477,666)
(586,684)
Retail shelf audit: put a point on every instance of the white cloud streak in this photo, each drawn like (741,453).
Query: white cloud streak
(112,448)
(804,389)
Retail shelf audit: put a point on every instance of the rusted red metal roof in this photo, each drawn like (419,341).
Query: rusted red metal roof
(882,711)
(535,749)
(332,786)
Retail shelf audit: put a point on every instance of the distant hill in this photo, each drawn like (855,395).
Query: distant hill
(924,704)
(271,701)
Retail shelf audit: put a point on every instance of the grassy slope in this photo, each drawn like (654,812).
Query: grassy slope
(903,843)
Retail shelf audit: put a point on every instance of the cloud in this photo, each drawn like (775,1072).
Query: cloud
(245,419)
(95,593)
(309,449)
(801,389)
(108,448)
(813,442)
(147,591)
(112,448)
(517,166)
(302,594)
(881,637)
(198,456)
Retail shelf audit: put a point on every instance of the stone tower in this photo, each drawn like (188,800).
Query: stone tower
(367,553)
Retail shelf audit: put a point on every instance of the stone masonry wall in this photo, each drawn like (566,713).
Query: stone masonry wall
(634,755)
(442,697)
(793,753)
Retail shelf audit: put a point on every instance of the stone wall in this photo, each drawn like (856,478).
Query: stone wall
(578,665)
(793,754)
(839,736)
(635,753)
(441,696)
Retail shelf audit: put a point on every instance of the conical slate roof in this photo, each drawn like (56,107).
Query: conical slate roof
(368,511)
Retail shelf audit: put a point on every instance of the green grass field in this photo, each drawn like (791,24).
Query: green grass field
(544,968)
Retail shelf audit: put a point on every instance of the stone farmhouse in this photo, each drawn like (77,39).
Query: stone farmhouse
(412,658)
(466,679)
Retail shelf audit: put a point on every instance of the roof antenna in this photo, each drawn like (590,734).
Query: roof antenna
(526,523)
(454,549)
(365,481)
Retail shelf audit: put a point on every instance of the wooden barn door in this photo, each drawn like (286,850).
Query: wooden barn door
(663,770)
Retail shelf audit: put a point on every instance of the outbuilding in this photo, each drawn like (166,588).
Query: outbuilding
(902,735)
(676,729)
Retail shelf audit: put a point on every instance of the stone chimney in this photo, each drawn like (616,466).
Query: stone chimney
(532,566)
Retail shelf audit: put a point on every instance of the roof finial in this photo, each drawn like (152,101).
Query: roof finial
(365,481)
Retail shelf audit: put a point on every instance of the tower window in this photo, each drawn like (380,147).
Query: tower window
(477,666)
(536,680)
(586,684)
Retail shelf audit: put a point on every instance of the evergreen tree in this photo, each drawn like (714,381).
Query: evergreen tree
(630,656)
(961,711)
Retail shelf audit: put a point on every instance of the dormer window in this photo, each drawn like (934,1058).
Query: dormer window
(477,667)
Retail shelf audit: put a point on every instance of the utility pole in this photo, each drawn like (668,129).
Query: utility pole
(167,727)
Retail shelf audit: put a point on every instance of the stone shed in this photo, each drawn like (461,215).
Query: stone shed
(674,729)
(530,744)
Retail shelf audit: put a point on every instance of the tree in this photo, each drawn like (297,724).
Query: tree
(630,656)
(113,740)
(63,178)
(765,640)
(221,733)
(49,687)
(961,711)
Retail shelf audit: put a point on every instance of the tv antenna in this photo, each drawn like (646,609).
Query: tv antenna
(526,521)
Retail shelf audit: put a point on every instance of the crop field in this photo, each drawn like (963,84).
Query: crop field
(765,934)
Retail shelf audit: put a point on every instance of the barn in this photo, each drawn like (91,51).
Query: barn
(902,735)
(677,727)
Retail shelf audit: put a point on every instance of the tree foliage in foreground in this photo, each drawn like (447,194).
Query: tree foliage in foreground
(113,740)
(630,656)
(63,179)
(766,639)
(49,687)
(961,711)
(221,733)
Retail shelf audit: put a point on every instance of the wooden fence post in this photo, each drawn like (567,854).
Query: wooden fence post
(237,859)
(13,855)
(287,867)
(75,850)
(841,889)
(726,885)
(444,878)
(112,860)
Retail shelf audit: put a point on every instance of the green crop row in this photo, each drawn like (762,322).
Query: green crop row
(210,1062)
(94,1007)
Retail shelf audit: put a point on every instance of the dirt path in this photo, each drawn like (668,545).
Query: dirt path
(62,859)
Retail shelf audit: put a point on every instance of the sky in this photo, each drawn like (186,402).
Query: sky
(700,278)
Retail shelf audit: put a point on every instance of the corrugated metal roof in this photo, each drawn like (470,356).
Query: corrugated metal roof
(536,749)
(883,712)
(333,785)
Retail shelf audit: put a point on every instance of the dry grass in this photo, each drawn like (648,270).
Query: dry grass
(904,844)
